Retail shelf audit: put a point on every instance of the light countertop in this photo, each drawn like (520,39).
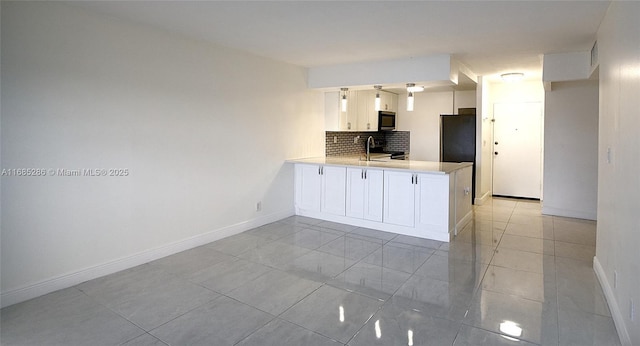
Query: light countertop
(387,164)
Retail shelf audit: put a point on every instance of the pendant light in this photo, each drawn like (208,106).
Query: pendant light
(377,102)
(343,100)
(410,97)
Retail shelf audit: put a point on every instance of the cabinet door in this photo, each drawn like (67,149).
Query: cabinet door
(308,187)
(393,102)
(333,190)
(355,193)
(371,113)
(363,109)
(332,112)
(373,195)
(385,101)
(432,202)
(399,198)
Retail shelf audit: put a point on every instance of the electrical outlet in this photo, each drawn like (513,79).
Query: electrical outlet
(355,139)
(615,279)
(259,206)
(335,139)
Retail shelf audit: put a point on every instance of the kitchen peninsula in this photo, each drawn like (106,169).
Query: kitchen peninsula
(419,198)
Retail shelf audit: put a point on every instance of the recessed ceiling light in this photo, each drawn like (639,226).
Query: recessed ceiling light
(512,76)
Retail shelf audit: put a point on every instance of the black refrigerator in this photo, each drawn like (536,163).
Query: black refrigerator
(458,141)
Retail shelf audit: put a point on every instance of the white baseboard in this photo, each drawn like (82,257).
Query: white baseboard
(483,199)
(547,210)
(616,314)
(463,222)
(71,279)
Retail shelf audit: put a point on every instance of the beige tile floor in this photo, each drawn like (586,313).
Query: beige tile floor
(511,277)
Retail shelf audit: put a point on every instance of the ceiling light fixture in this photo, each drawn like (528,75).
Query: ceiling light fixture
(410,97)
(343,100)
(512,76)
(415,89)
(377,102)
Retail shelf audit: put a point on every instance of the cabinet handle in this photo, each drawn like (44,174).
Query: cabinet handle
(412,178)
(322,170)
(365,174)
(362,174)
(319,170)
(416,179)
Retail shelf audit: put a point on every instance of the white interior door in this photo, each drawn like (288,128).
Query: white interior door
(517,149)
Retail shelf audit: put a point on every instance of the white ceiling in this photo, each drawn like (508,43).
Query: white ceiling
(490,37)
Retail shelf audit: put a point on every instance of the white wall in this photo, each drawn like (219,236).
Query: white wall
(566,66)
(424,122)
(618,233)
(203,130)
(516,92)
(484,149)
(571,149)
(464,99)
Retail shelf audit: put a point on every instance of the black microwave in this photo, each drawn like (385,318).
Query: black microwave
(386,121)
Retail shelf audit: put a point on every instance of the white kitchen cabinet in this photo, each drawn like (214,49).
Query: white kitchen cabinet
(361,114)
(333,190)
(399,198)
(432,202)
(355,193)
(366,108)
(426,205)
(364,194)
(388,101)
(367,113)
(308,187)
(417,200)
(320,188)
(373,194)
(332,111)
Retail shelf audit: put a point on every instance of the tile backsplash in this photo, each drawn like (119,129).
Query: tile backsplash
(397,141)
(354,143)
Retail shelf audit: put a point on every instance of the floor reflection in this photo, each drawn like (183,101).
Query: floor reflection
(512,276)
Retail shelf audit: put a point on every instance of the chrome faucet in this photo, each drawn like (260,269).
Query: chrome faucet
(370,140)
